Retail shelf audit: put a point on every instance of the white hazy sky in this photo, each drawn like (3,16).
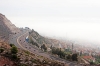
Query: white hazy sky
(74,19)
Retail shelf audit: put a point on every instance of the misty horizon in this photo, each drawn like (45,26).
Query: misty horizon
(68,30)
(73,20)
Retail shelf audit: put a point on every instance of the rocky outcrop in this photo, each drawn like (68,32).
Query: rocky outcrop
(6,27)
(40,40)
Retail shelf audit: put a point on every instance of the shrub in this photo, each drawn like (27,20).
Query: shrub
(14,50)
(14,56)
(27,52)
(1,50)
(74,57)
(12,45)
(44,47)
(69,57)
(58,52)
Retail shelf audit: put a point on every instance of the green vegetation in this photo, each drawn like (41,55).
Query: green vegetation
(97,59)
(64,54)
(1,50)
(68,51)
(69,57)
(33,61)
(27,52)
(12,45)
(58,52)
(23,65)
(92,63)
(14,56)
(74,57)
(34,43)
(20,58)
(14,50)
(43,47)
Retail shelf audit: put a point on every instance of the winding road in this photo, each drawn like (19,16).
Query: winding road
(20,42)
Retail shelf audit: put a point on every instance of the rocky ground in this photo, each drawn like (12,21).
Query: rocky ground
(24,58)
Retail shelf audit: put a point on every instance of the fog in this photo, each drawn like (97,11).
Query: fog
(71,29)
(68,19)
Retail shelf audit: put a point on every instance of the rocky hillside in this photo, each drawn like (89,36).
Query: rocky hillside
(34,36)
(12,56)
(37,38)
(6,27)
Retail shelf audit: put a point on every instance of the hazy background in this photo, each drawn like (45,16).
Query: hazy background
(71,19)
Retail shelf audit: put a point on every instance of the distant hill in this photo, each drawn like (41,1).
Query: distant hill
(6,27)
(40,40)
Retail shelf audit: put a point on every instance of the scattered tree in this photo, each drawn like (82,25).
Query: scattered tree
(44,47)
(74,57)
(14,50)
(12,45)
(69,57)
(1,50)
(59,52)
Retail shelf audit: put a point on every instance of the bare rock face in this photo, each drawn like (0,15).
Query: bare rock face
(6,27)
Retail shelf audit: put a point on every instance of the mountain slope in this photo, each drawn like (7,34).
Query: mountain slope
(23,58)
(33,35)
(40,40)
(6,27)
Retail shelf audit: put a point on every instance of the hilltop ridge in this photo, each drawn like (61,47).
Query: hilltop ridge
(6,27)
